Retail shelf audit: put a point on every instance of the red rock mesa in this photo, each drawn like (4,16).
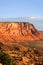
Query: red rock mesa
(16,31)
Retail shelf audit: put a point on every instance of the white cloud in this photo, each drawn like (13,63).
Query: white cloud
(33,17)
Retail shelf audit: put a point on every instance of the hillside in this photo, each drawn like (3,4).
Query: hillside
(15,32)
(17,54)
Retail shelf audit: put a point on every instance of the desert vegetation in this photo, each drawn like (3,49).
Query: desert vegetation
(5,59)
(20,55)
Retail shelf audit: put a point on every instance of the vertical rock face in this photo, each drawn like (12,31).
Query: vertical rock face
(14,31)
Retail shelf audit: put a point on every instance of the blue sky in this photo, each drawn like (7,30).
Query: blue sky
(15,8)
(21,8)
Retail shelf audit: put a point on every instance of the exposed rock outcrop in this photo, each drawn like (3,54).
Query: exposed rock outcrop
(16,31)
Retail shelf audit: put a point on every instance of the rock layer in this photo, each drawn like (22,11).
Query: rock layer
(17,31)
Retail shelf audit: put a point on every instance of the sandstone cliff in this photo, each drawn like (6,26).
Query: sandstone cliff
(13,31)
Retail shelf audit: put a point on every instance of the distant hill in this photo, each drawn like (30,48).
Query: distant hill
(41,31)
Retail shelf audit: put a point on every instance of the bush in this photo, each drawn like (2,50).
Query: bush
(37,52)
(5,59)
(24,53)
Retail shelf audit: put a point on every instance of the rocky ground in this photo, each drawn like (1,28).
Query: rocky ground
(24,55)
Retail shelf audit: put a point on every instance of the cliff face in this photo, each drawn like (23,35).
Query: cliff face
(18,32)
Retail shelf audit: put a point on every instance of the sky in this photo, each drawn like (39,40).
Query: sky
(22,8)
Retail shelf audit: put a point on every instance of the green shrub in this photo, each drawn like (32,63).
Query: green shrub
(5,59)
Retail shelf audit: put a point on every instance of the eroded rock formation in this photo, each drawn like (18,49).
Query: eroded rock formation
(14,32)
